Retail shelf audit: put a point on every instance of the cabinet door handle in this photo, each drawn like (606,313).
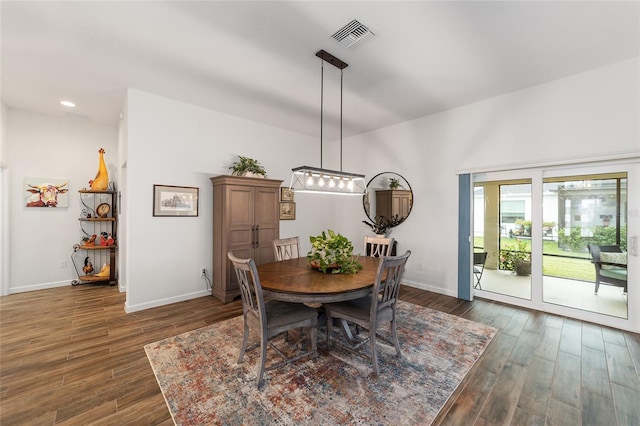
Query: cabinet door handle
(257,236)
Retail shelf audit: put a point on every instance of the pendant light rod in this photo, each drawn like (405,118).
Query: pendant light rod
(321,106)
(328,57)
(341,74)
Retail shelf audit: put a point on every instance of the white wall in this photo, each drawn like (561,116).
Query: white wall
(586,115)
(53,147)
(174,143)
(5,229)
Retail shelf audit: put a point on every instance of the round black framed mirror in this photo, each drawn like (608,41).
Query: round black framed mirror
(389,197)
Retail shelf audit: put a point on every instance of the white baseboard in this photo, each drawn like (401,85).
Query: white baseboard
(161,302)
(40,286)
(429,287)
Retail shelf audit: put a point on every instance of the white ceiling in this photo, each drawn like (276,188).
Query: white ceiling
(257,59)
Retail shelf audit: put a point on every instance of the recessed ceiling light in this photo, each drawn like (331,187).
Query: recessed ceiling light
(68,104)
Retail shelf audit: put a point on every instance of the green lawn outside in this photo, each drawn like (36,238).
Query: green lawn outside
(577,269)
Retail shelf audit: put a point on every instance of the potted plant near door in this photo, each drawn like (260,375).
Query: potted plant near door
(516,258)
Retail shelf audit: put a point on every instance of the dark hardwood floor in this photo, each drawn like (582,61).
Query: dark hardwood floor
(71,355)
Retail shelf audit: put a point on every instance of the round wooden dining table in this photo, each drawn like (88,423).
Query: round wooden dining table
(295,280)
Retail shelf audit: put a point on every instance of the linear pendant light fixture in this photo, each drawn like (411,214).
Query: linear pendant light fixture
(319,180)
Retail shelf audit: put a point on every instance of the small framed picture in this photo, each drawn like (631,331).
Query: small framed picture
(286,194)
(171,200)
(287,210)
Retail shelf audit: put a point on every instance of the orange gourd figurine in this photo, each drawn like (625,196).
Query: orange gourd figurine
(101,181)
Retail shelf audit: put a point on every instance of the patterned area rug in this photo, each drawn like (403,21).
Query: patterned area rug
(202,383)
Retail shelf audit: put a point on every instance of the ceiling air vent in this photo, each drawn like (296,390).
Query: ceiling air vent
(353,35)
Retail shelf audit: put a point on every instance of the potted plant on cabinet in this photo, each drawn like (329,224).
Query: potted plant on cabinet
(394,183)
(332,252)
(246,166)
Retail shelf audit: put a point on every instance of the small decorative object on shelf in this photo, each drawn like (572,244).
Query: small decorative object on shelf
(101,181)
(332,252)
(103,210)
(88,266)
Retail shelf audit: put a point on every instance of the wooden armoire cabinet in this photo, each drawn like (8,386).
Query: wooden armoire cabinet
(392,202)
(245,221)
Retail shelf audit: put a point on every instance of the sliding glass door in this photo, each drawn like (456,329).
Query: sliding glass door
(536,234)
(579,213)
(502,237)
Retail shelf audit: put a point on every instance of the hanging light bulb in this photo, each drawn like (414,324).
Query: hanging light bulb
(332,183)
(310,180)
(321,181)
(341,183)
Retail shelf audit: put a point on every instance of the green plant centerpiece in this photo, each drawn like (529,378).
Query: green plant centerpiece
(381,225)
(332,252)
(246,165)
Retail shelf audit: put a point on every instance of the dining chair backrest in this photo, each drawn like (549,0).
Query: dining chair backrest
(286,248)
(250,289)
(387,284)
(377,246)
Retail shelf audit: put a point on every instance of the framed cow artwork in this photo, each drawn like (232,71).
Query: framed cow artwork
(46,192)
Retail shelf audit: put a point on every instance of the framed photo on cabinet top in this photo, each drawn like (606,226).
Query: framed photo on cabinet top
(171,200)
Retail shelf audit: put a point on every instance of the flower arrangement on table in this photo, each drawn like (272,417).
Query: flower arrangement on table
(332,252)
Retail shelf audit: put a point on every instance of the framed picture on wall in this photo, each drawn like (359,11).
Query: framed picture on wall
(287,210)
(286,194)
(46,192)
(169,200)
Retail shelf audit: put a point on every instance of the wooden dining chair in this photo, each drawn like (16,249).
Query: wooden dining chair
(377,246)
(286,248)
(269,318)
(370,312)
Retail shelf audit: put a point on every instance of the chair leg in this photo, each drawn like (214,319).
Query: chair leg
(245,338)
(374,354)
(329,324)
(597,287)
(313,335)
(263,357)
(394,335)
